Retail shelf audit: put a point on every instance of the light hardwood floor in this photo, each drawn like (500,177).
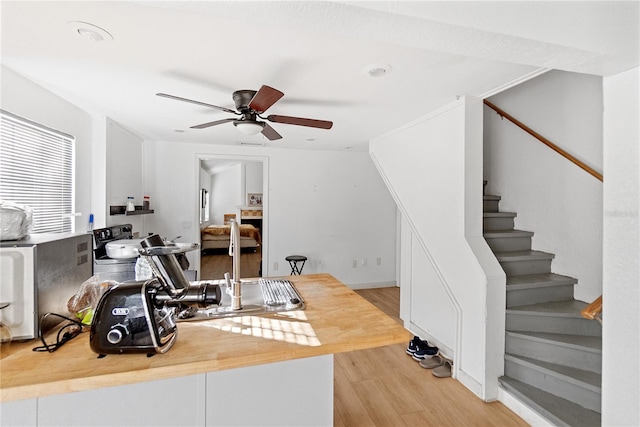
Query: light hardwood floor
(213,265)
(385,387)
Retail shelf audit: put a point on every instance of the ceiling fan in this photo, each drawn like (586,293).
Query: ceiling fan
(249,105)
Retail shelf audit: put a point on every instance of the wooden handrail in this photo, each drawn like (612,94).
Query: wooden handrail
(544,140)
(593,310)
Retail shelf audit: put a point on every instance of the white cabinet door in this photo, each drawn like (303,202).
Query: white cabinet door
(172,402)
(19,413)
(292,393)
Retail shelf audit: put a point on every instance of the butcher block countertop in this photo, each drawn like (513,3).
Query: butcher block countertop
(335,320)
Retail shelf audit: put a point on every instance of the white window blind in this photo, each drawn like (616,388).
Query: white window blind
(36,169)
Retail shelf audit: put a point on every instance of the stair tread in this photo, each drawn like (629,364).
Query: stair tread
(538,280)
(500,214)
(560,411)
(569,308)
(580,377)
(507,233)
(523,255)
(581,342)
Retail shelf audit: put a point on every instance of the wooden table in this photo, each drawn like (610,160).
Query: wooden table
(335,320)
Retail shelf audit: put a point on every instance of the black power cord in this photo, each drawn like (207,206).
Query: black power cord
(66,333)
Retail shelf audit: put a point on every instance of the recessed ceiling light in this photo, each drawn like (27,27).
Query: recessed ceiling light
(310,139)
(178,130)
(90,32)
(378,70)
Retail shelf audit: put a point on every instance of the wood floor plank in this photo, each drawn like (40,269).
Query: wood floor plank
(213,265)
(381,411)
(349,409)
(385,387)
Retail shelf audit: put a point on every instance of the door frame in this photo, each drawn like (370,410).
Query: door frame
(264,246)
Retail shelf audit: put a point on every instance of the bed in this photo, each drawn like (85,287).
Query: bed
(217,237)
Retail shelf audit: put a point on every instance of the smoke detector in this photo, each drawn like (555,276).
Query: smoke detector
(378,70)
(90,32)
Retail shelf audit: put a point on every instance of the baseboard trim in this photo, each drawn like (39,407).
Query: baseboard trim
(469,382)
(391,284)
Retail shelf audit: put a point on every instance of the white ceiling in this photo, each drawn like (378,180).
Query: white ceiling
(314,52)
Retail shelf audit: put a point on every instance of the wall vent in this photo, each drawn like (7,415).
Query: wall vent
(252,144)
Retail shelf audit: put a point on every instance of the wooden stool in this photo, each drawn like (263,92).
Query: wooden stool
(293,262)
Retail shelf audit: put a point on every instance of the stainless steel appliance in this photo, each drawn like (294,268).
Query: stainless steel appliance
(139,316)
(120,269)
(38,275)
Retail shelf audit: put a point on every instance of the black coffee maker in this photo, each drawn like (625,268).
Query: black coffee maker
(139,317)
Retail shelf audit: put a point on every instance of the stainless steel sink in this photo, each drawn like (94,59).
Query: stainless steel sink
(258,297)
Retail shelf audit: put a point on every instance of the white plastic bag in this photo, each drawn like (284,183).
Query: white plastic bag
(16,221)
(83,304)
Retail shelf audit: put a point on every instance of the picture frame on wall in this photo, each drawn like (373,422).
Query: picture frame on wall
(254,199)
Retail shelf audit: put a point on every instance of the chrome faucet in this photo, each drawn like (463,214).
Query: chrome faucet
(234,286)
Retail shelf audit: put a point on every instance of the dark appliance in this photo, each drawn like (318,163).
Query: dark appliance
(139,316)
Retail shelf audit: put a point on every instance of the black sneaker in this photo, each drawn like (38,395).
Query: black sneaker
(424,351)
(413,345)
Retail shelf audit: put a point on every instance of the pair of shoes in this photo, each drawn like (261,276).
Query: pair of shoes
(443,371)
(424,351)
(441,367)
(432,362)
(420,349)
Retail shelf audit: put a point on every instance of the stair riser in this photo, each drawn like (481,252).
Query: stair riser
(519,268)
(497,223)
(504,244)
(520,297)
(554,385)
(553,324)
(554,353)
(490,205)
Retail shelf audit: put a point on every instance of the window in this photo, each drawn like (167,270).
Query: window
(204,206)
(36,169)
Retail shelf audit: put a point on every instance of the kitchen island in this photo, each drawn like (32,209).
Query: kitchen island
(272,369)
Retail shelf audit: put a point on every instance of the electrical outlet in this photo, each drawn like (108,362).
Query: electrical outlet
(378,261)
(275,266)
(364,262)
(354,263)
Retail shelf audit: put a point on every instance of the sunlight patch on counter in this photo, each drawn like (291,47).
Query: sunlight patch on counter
(291,327)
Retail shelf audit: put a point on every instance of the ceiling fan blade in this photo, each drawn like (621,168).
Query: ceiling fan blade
(299,121)
(264,98)
(270,133)
(209,124)
(178,98)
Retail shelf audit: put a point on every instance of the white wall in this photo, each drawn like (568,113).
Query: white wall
(226,192)
(424,165)
(26,99)
(555,199)
(330,206)
(253,178)
(125,176)
(621,293)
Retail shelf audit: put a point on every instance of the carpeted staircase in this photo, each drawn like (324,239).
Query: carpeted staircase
(553,356)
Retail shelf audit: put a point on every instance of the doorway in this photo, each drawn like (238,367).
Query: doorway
(232,187)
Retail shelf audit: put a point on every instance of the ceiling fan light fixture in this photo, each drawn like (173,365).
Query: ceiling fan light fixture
(249,127)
